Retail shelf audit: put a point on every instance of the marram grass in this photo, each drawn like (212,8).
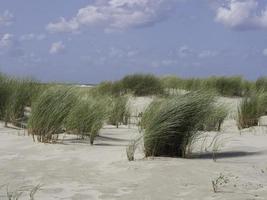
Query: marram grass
(215,118)
(87,117)
(119,111)
(15,95)
(251,108)
(50,111)
(173,124)
(22,94)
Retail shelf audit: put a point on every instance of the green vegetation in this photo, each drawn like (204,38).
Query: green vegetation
(4,95)
(50,111)
(15,95)
(108,88)
(225,86)
(261,84)
(87,117)
(22,94)
(172,124)
(146,84)
(251,108)
(136,84)
(142,84)
(119,111)
(215,118)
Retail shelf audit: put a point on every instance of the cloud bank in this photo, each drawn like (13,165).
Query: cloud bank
(242,15)
(116,15)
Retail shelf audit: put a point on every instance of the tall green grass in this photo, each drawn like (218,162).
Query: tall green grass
(50,111)
(108,88)
(4,95)
(87,117)
(119,112)
(251,108)
(22,94)
(15,95)
(261,84)
(215,118)
(224,86)
(173,124)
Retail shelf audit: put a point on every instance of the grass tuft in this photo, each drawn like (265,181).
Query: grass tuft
(251,108)
(49,112)
(87,117)
(172,124)
(119,112)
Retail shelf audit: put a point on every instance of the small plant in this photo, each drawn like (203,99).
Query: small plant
(131,148)
(218,182)
(16,194)
(34,190)
(216,144)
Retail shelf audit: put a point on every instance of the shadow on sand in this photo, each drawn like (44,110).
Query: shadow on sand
(99,141)
(227,154)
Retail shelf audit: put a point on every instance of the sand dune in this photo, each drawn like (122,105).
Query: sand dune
(74,169)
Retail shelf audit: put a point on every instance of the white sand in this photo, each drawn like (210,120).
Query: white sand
(76,170)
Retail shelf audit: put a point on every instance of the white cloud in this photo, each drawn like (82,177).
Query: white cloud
(185,51)
(264,52)
(116,15)
(6,41)
(6,18)
(9,46)
(32,36)
(57,47)
(207,54)
(242,15)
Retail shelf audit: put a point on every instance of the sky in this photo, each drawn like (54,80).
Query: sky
(88,41)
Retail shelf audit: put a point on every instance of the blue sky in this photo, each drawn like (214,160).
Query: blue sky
(88,41)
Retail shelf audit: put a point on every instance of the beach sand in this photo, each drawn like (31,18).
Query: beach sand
(73,169)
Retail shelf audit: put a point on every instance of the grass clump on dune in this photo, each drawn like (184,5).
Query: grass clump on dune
(173,124)
(4,95)
(22,94)
(215,118)
(87,117)
(251,109)
(119,112)
(49,112)
(150,111)
(108,88)
(142,84)
(261,84)
(15,95)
